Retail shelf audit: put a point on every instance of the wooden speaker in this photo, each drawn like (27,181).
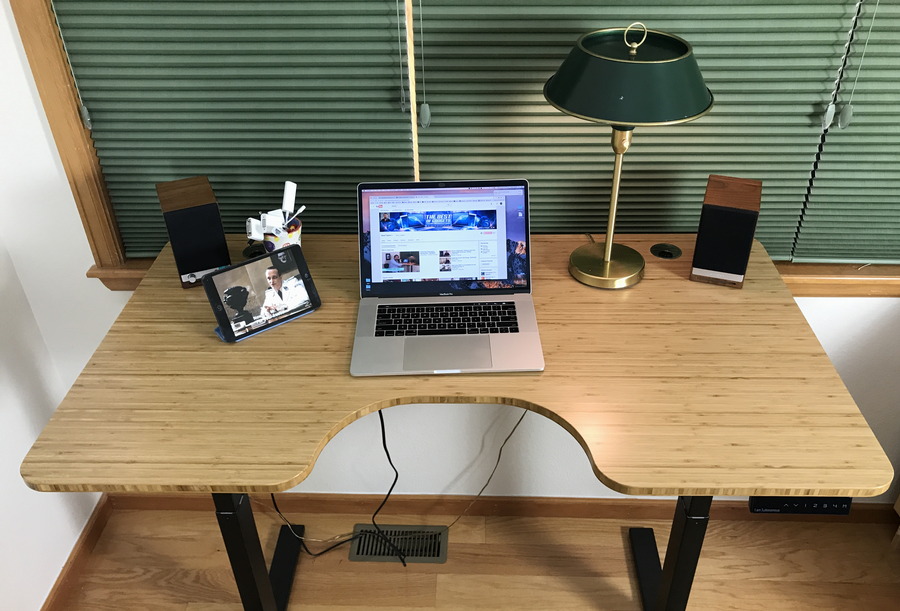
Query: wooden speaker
(195,228)
(726,229)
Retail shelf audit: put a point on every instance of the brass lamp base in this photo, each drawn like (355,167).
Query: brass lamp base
(625,267)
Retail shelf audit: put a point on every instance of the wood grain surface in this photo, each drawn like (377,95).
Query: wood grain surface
(174,560)
(671,387)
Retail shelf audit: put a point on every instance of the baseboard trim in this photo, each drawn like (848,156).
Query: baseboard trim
(68,579)
(546,507)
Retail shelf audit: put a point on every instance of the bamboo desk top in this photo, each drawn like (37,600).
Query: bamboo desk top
(672,387)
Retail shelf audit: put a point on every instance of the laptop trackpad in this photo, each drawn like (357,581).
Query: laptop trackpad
(447,353)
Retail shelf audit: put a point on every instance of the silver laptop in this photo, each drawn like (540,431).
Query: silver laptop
(445,279)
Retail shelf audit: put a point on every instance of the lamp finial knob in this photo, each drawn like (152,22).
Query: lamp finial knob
(633,46)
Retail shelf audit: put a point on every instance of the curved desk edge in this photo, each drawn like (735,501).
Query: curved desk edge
(759,489)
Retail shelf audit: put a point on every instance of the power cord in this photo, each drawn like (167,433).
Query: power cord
(387,453)
(351,537)
(493,471)
(337,540)
(348,537)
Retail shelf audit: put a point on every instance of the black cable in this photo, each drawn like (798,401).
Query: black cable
(337,544)
(387,453)
(500,452)
(303,541)
(378,530)
(493,471)
(380,533)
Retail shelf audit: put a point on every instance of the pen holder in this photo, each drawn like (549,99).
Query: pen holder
(284,237)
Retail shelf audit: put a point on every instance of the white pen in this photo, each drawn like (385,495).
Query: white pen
(296,214)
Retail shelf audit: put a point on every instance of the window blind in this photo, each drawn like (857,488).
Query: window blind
(254,93)
(853,213)
(768,64)
(249,94)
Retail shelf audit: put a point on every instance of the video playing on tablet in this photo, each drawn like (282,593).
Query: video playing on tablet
(260,293)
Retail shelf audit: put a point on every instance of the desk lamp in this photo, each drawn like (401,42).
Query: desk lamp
(626,77)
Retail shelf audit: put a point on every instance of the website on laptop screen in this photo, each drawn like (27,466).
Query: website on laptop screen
(443,238)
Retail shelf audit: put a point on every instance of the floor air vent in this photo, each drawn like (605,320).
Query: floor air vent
(417,543)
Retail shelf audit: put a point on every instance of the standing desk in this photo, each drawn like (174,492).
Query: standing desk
(671,387)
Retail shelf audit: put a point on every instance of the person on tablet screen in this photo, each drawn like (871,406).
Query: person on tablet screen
(282,295)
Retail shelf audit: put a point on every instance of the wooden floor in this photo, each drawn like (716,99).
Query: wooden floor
(175,560)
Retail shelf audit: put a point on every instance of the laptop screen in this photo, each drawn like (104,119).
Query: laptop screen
(443,238)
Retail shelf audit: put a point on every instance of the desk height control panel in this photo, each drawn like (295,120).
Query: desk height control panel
(823,505)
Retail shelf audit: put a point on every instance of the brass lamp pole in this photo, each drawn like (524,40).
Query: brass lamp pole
(618,266)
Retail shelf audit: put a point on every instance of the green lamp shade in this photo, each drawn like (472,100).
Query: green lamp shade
(601,81)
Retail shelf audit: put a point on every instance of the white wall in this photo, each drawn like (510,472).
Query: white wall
(862,339)
(438,449)
(51,321)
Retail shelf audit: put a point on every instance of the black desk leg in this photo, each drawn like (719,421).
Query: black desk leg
(667,588)
(259,591)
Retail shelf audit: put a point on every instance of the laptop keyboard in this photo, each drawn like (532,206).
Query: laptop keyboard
(446,319)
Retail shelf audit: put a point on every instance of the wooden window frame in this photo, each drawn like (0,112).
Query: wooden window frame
(55,84)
